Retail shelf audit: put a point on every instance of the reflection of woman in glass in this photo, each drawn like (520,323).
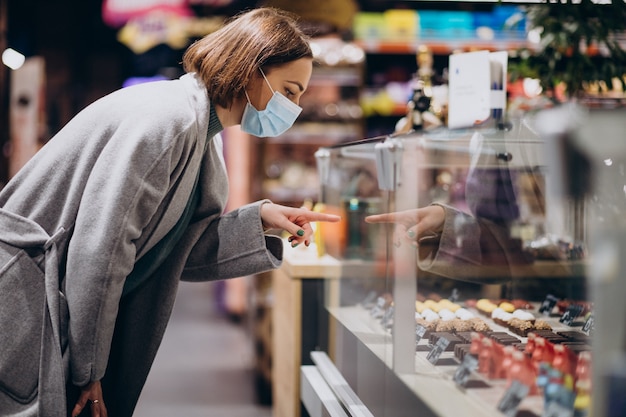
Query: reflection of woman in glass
(448,237)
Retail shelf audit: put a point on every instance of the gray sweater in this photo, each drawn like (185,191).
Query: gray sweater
(110,185)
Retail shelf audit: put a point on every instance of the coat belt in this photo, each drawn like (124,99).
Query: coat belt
(24,233)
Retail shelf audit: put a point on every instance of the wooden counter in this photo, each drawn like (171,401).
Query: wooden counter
(301,288)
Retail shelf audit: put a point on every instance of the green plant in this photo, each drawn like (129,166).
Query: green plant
(579,44)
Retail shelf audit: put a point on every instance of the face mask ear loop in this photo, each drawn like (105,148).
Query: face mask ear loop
(268,83)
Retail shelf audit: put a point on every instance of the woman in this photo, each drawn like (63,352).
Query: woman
(128,198)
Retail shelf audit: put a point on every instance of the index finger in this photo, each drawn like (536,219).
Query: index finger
(313,216)
(80,404)
(381,218)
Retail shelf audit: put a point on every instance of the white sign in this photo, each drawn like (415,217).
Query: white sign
(469,89)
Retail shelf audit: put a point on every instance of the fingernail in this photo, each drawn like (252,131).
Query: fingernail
(300,232)
(411,234)
(294,244)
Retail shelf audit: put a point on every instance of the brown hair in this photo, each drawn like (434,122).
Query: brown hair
(227,59)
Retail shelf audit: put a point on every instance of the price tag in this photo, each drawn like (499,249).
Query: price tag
(570,314)
(369,300)
(388,317)
(589,324)
(463,372)
(512,397)
(420,331)
(439,347)
(548,304)
(378,310)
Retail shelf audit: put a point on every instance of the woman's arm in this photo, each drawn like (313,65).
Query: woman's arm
(235,244)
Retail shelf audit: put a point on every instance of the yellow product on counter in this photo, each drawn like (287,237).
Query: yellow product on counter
(317,233)
(330,238)
(419,307)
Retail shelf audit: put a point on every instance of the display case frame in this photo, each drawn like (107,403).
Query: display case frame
(380,357)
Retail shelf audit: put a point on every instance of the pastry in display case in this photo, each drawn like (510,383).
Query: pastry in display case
(463,288)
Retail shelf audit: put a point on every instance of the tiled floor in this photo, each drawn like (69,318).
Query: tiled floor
(204,367)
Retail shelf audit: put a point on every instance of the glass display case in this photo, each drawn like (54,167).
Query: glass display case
(589,164)
(464,268)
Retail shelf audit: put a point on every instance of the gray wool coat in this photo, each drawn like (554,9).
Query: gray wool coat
(77,217)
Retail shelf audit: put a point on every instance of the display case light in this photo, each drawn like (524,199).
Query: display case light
(12,58)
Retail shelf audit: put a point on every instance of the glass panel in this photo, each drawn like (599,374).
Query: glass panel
(358,303)
(463,281)
(589,166)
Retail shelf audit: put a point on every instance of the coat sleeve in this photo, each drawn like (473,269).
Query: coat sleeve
(234,245)
(458,245)
(128,182)
(471,249)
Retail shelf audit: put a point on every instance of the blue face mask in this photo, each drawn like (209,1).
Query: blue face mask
(278,116)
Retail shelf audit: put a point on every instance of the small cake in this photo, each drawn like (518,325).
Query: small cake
(485,306)
(523,315)
(434,296)
(542,325)
(506,306)
(521,304)
(446,314)
(479,325)
(428,325)
(429,315)
(444,326)
(431,304)
(471,303)
(521,327)
(448,305)
(462,326)
(464,314)
(501,317)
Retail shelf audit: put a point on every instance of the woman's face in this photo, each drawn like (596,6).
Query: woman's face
(290,80)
